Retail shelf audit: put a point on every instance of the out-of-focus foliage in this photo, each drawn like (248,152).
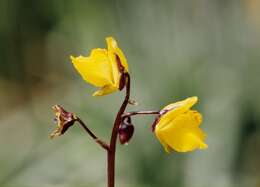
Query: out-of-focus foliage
(174,49)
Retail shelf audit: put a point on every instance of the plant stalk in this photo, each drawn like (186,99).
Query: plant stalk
(148,112)
(112,147)
(92,135)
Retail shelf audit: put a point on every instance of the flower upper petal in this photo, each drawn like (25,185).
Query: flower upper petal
(95,69)
(175,109)
(113,50)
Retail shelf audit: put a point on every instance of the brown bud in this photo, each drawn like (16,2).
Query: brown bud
(125,132)
(64,120)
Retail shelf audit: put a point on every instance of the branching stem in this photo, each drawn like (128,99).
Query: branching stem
(111,152)
(111,148)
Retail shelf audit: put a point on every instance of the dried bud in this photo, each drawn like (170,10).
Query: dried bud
(64,120)
(126,131)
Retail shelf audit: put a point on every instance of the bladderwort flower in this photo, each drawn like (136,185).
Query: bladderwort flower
(104,68)
(177,127)
(63,119)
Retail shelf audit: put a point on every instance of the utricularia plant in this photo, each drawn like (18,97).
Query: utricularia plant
(176,125)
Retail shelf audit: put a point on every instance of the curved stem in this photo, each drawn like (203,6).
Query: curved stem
(112,147)
(97,140)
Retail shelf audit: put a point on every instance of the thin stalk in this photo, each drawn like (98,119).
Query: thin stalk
(128,114)
(92,135)
(112,147)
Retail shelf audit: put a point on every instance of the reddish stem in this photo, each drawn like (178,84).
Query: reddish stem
(128,114)
(112,147)
(93,136)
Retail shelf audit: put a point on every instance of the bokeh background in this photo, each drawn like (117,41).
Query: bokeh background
(175,49)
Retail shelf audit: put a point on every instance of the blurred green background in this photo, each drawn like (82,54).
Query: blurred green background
(175,49)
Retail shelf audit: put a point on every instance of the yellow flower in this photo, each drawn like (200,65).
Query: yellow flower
(104,68)
(177,127)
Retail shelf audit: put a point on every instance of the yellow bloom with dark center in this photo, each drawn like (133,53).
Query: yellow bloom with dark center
(104,68)
(177,128)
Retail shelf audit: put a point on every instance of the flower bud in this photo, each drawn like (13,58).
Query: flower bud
(126,131)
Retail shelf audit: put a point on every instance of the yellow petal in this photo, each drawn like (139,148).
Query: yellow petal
(167,148)
(183,133)
(196,115)
(113,50)
(116,74)
(105,90)
(189,102)
(176,109)
(95,69)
